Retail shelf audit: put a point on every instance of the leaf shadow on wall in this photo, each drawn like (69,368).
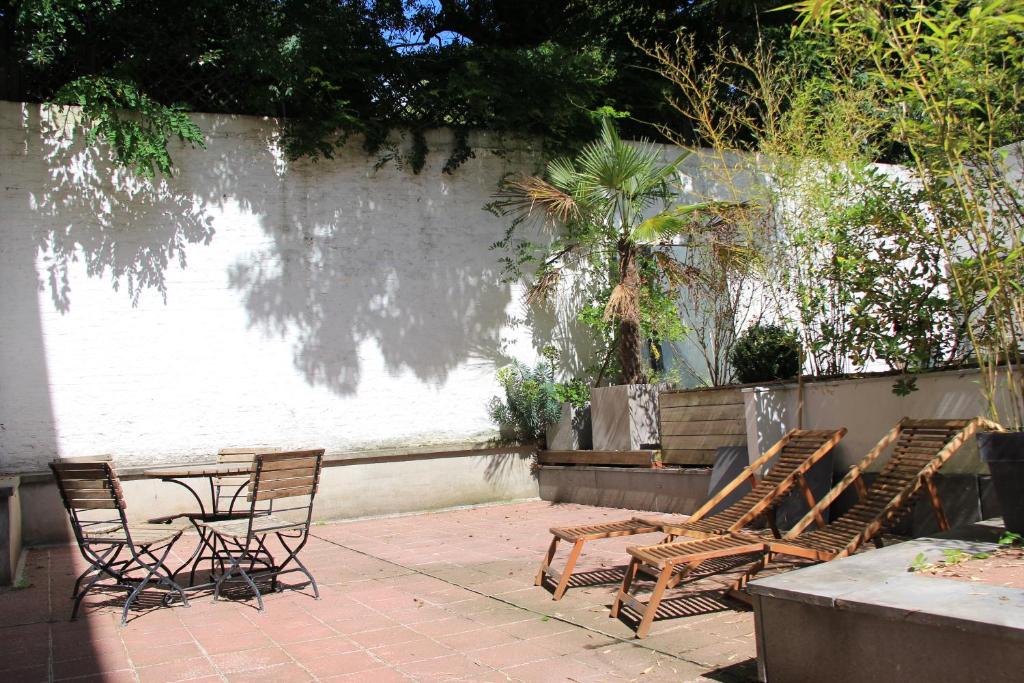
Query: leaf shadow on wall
(398,260)
(120,226)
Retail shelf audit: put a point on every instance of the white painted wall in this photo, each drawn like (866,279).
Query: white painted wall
(246,300)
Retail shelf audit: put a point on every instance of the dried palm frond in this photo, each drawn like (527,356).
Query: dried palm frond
(540,290)
(528,193)
(623,304)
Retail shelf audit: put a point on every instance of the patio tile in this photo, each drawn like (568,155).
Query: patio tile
(248,660)
(125,676)
(513,654)
(477,639)
(153,653)
(94,663)
(341,663)
(283,673)
(559,669)
(413,651)
(368,622)
(386,636)
(445,626)
(381,675)
(294,631)
(32,674)
(178,670)
(214,642)
(315,649)
(452,668)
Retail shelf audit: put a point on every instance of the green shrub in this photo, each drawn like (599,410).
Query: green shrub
(530,401)
(766,352)
(575,391)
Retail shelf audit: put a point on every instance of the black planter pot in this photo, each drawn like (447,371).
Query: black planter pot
(1003,452)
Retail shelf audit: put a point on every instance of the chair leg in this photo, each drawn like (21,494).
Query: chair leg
(546,561)
(741,583)
(103,563)
(153,569)
(627,583)
(570,565)
(234,565)
(96,563)
(294,555)
(168,580)
(652,604)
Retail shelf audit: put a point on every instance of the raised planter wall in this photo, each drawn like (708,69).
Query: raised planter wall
(868,409)
(659,490)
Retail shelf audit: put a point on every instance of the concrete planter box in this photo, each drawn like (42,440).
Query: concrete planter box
(572,432)
(866,618)
(625,417)
(659,490)
(10,529)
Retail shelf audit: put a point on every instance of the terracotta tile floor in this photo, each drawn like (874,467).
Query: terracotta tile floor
(445,596)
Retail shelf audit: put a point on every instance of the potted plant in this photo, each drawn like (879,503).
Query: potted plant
(530,403)
(614,215)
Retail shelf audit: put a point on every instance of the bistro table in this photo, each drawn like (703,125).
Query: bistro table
(211,472)
(185,476)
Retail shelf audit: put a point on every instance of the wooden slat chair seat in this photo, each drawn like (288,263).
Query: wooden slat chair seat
(286,478)
(92,495)
(143,534)
(921,448)
(239,528)
(794,455)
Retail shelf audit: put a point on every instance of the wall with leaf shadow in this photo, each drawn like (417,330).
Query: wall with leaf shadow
(247,299)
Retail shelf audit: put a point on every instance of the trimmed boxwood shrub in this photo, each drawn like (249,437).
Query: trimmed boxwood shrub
(764,353)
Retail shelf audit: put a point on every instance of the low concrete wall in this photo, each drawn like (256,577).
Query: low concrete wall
(350,487)
(660,490)
(868,408)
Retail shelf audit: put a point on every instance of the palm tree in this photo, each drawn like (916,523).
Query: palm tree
(613,198)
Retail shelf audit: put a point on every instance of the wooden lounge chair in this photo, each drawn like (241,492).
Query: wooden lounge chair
(93,498)
(289,479)
(796,453)
(921,448)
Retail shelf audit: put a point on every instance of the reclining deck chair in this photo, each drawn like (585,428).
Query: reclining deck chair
(293,475)
(93,498)
(921,448)
(797,452)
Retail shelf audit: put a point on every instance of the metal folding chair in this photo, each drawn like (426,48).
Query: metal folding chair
(95,503)
(225,494)
(290,479)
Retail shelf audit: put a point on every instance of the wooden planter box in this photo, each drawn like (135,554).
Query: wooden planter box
(695,423)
